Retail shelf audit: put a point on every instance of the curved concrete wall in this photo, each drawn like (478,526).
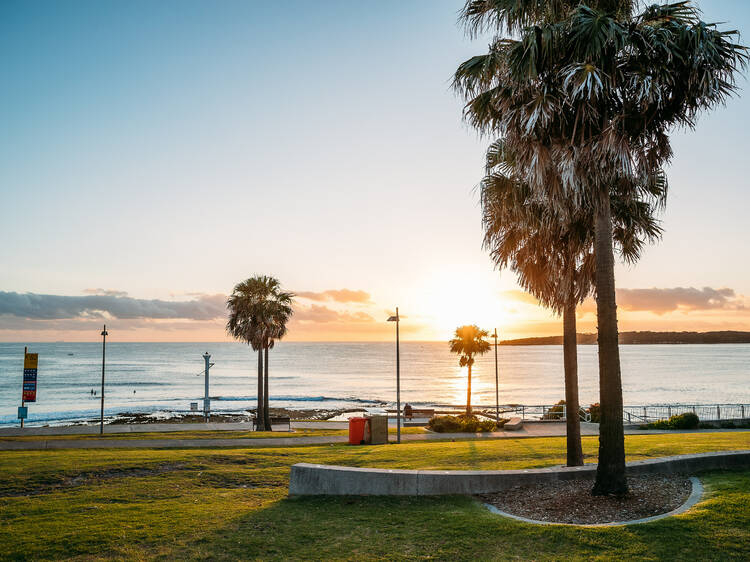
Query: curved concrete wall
(318,479)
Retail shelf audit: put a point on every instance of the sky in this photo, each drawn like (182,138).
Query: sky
(154,154)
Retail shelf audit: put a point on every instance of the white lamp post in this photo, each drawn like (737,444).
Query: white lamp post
(396,319)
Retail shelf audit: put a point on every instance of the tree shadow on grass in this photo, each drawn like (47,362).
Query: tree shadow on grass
(459,528)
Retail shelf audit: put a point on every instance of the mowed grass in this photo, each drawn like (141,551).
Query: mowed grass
(232,504)
(186,434)
(202,434)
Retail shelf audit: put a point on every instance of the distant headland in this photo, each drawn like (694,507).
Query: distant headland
(644,338)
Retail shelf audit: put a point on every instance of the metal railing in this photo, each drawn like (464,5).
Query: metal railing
(705,412)
(631,414)
(539,411)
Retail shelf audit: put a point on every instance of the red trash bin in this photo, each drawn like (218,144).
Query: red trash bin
(357,430)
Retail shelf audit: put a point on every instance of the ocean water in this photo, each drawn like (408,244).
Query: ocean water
(151,377)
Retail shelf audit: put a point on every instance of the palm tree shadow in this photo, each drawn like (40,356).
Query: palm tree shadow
(473,458)
(316,526)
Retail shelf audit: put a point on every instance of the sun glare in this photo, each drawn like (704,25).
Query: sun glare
(453,298)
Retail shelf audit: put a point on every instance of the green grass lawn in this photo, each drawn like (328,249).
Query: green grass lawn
(201,434)
(186,434)
(232,503)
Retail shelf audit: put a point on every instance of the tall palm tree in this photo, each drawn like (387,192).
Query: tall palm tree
(469,341)
(586,95)
(551,251)
(258,313)
(278,312)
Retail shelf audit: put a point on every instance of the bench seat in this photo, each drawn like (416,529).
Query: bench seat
(513,424)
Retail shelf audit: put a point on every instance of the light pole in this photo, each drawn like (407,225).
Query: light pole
(497,386)
(396,319)
(104,335)
(206,399)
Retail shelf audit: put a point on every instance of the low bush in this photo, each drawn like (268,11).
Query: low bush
(555,412)
(462,424)
(688,420)
(596,413)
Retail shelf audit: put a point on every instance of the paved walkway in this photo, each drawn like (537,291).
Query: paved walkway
(529,430)
(127,428)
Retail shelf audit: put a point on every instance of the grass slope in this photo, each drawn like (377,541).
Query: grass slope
(199,434)
(232,504)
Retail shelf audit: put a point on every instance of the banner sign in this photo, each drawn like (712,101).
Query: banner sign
(30,362)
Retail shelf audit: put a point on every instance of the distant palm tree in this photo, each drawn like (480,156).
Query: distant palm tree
(550,248)
(258,313)
(469,341)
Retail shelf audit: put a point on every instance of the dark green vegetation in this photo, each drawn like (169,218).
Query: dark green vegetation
(634,338)
(687,420)
(232,504)
(462,424)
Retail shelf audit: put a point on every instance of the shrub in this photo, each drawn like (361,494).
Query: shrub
(462,424)
(687,420)
(661,424)
(555,412)
(596,413)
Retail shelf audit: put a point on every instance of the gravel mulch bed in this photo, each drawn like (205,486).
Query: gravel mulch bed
(571,501)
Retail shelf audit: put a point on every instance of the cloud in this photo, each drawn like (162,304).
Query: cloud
(56,307)
(661,301)
(337,295)
(107,292)
(665,300)
(323,314)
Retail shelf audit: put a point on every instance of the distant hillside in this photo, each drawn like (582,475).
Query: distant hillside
(644,338)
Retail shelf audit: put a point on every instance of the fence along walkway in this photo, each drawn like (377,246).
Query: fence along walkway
(631,414)
(706,412)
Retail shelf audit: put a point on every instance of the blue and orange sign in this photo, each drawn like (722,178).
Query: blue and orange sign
(30,363)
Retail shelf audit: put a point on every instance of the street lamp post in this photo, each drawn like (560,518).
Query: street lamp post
(104,335)
(396,319)
(497,385)
(206,399)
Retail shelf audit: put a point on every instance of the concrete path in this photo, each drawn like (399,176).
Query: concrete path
(529,431)
(128,428)
(533,428)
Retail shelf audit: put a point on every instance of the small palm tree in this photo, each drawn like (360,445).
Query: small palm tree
(469,341)
(258,313)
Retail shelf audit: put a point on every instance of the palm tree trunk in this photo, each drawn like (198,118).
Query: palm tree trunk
(266,409)
(570,355)
(260,419)
(610,472)
(468,394)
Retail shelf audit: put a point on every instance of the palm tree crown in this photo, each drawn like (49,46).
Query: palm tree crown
(551,247)
(467,342)
(259,311)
